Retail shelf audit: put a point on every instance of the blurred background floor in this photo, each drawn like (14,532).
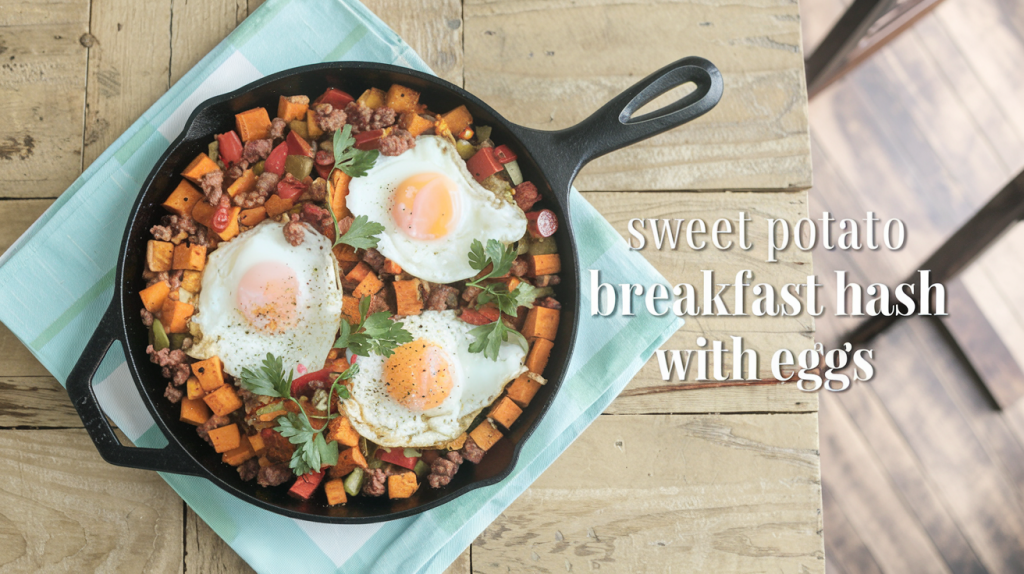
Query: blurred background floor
(922,469)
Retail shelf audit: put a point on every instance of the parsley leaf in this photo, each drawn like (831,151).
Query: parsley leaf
(362,234)
(490,336)
(354,162)
(499,256)
(375,335)
(507,302)
(269,380)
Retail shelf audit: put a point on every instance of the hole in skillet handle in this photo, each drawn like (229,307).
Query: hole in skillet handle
(79,386)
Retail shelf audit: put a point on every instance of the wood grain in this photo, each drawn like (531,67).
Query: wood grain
(206,552)
(433,28)
(197,27)
(648,392)
(66,510)
(548,65)
(749,502)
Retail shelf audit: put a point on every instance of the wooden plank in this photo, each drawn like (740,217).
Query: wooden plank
(527,62)
(42,80)
(36,402)
(197,27)
(733,493)
(647,392)
(842,543)
(65,509)
(432,28)
(208,553)
(124,80)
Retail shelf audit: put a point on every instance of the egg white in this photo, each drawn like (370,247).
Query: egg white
(224,331)
(445,259)
(477,382)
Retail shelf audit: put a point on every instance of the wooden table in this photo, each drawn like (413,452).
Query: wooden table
(702,480)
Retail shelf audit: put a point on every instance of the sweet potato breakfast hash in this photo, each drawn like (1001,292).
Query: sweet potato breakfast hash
(354,296)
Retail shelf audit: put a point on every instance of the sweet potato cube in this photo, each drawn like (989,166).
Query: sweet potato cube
(250,217)
(540,351)
(257,444)
(244,184)
(203,213)
(547,264)
(183,199)
(225,438)
(199,167)
(522,390)
(210,373)
(188,256)
(372,98)
(505,412)
(192,281)
(401,99)
(414,123)
(368,286)
(358,273)
(348,460)
(195,390)
(264,462)
(341,430)
(458,442)
(392,267)
(312,130)
(253,124)
(194,411)
(485,435)
(407,295)
(541,322)
(275,205)
(350,309)
(292,107)
(159,255)
(337,365)
(237,456)
(457,119)
(175,315)
(346,254)
(232,229)
(335,491)
(223,401)
(402,485)
(153,297)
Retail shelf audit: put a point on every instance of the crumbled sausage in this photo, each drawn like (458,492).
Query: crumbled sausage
(174,228)
(345,223)
(277,128)
(290,186)
(397,142)
(174,364)
(157,278)
(443,297)
(186,343)
(235,171)
(374,259)
(249,469)
(379,302)
(274,474)
(214,422)
(173,393)
(327,118)
(364,119)
(469,293)
(318,189)
(526,195)
(319,218)
(548,302)
(147,317)
(200,237)
(265,185)
(294,231)
(443,469)
(212,185)
(250,400)
(471,452)
(376,482)
(255,150)
(174,279)
(547,280)
(519,267)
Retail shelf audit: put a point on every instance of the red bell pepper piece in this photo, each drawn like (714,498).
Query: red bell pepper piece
(481,316)
(300,386)
(275,161)
(397,456)
(369,140)
(504,154)
(542,223)
(337,98)
(483,164)
(306,485)
(298,146)
(229,146)
(290,188)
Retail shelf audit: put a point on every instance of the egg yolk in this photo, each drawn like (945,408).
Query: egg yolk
(426,206)
(268,296)
(418,376)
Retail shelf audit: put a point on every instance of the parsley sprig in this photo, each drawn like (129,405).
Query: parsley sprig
(312,449)
(500,258)
(375,334)
(363,233)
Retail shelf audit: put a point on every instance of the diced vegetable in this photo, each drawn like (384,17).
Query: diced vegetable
(515,175)
(421,469)
(160,340)
(300,386)
(350,309)
(397,456)
(372,98)
(275,161)
(457,119)
(213,150)
(368,286)
(244,184)
(349,460)
(191,281)
(408,298)
(369,140)
(210,373)
(505,412)
(337,98)
(305,485)
(542,223)
(257,169)
(483,164)
(199,167)
(541,246)
(312,129)
(414,123)
(159,255)
(458,443)
(225,438)
(188,256)
(543,264)
(183,199)
(541,322)
(483,133)
(335,491)
(194,411)
(358,273)
(194,389)
(224,400)
(540,351)
(175,315)
(300,127)
(153,296)
(237,456)
(298,146)
(402,485)
(276,205)
(299,166)
(465,149)
(482,316)
(485,435)
(354,482)
(253,124)
(339,181)
(504,154)
(392,267)
(257,444)
(292,107)
(177,339)
(230,147)
(340,429)
(250,217)
(401,99)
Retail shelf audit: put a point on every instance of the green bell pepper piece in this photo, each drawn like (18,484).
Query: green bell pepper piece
(160,340)
(299,166)
(354,482)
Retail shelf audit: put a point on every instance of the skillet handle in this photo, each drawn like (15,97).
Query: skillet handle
(171,458)
(613,126)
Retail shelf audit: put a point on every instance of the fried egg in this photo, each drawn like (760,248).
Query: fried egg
(262,295)
(428,391)
(432,209)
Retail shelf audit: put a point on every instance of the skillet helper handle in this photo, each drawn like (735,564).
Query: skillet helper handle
(79,386)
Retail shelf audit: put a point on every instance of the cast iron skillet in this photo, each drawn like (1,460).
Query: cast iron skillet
(549,159)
